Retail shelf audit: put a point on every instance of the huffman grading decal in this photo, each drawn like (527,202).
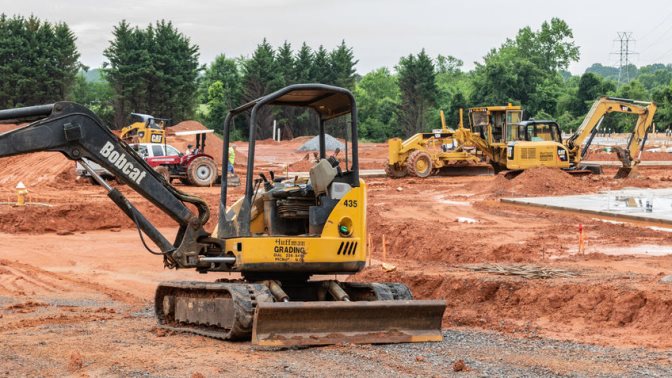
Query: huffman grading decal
(120,161)
(288,250)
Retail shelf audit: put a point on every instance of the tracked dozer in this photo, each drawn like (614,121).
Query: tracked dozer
(281,236)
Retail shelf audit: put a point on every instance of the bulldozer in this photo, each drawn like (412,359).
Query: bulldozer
(426,154)
(518,145)
(283,236)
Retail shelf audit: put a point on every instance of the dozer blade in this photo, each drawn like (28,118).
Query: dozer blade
(324,323)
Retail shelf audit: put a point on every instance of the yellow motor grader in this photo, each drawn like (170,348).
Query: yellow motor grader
(426,154)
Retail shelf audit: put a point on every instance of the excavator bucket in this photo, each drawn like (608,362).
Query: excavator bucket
(627,172)
(324,323)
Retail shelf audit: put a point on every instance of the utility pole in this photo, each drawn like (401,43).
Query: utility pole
(625,40)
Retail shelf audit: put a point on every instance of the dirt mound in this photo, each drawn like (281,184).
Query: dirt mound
(581,306)
(537,182)
(213,142)
(303,165)
(37,169)
(5,127)
(62,218)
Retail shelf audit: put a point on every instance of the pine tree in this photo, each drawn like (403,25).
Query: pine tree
(320,70)
(343,66)
(417,85)
(303,64)
(38,61)
(261,77)
(285,64)
(152,71)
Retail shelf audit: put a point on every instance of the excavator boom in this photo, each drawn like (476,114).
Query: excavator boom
(77,133)
(579,143)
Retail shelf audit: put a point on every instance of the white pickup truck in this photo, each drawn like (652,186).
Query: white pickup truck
(144,149)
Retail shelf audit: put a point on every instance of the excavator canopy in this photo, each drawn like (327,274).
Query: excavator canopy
(329,102)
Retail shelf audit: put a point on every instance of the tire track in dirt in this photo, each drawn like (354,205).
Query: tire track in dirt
(43,279)
(56,319)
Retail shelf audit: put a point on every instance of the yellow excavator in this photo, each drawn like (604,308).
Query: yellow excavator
(538,143)
(283,237)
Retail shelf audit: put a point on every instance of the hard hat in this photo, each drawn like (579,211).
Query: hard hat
(20,185)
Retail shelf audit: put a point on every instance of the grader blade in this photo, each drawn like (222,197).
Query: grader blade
(325,323)
(467,170)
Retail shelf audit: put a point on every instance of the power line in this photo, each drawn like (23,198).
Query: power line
(658,38)
(662,56)
(625,40)
(643,36)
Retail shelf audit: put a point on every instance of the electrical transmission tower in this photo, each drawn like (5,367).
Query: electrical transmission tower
(625,40)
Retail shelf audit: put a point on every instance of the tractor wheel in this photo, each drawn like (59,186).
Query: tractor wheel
(163,171)
(202,172)
(395,171)
(419,164)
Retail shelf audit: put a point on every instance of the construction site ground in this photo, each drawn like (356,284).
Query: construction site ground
(76,285)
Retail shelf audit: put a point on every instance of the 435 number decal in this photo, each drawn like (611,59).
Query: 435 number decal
(350,203)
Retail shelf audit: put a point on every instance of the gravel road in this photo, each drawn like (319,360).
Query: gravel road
(483,353)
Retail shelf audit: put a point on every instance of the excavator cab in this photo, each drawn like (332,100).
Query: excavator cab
(539,131)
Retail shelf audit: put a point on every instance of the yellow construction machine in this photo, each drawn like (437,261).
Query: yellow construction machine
(491,128)
(145,128)
(425,154)
(518,145)
(280,238)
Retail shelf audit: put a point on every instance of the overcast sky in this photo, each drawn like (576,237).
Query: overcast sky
(379,31)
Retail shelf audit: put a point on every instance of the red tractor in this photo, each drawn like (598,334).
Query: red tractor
(192,167)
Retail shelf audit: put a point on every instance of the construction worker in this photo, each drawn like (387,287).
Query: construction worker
(189,149)
(232,159)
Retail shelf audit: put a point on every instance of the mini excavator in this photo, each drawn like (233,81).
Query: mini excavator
(281,236)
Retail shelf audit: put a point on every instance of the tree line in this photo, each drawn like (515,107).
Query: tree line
(38,61)
(155,70)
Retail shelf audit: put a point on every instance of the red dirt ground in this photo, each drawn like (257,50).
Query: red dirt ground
(83,250)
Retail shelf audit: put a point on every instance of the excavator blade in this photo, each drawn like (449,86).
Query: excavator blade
(324,323)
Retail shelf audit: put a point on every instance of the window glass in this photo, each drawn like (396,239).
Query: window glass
(141,150)
(170,151)
(157,150)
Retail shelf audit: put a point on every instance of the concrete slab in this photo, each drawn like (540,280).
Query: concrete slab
(649,205)
(604,163)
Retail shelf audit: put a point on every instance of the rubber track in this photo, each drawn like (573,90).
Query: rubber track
(246,296)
